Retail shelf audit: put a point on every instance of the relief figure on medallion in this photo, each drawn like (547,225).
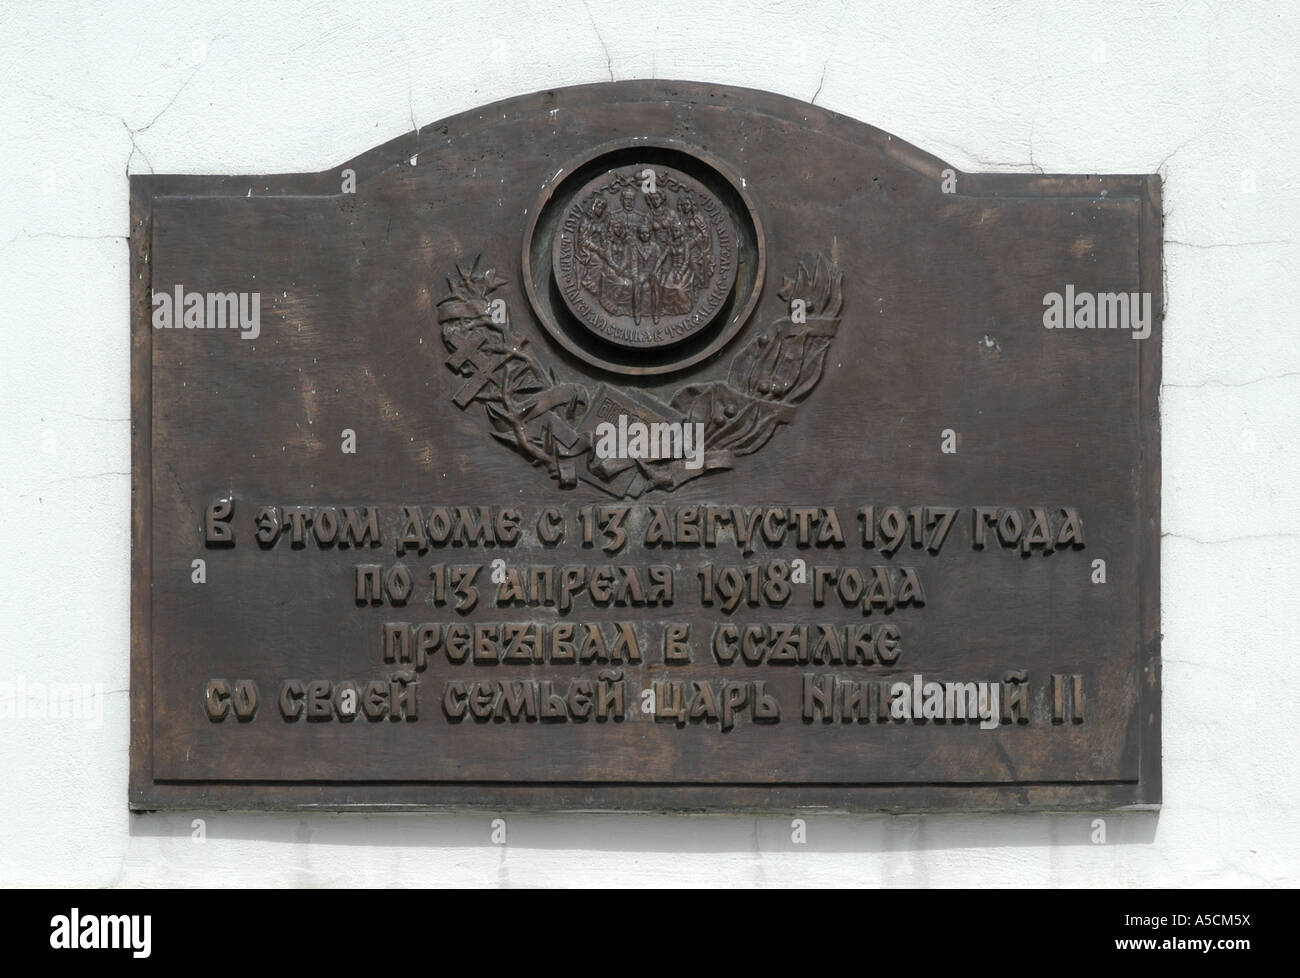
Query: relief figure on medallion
(647,258)
(592,239)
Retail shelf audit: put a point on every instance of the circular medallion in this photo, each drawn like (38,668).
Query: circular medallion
(645,256)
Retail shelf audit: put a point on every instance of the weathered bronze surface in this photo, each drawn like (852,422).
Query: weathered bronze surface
(649,445)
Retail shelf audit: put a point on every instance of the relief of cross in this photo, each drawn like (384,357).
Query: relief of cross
(469,350)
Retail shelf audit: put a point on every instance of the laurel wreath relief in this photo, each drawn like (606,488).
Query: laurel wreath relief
(553,423)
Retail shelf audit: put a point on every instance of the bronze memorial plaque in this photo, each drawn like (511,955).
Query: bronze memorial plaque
(646,445)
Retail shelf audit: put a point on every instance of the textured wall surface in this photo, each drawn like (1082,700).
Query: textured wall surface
(1202,92)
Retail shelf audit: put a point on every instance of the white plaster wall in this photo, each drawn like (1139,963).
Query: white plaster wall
(1203,91)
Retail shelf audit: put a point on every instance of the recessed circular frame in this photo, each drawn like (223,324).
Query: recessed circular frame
(659,277)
